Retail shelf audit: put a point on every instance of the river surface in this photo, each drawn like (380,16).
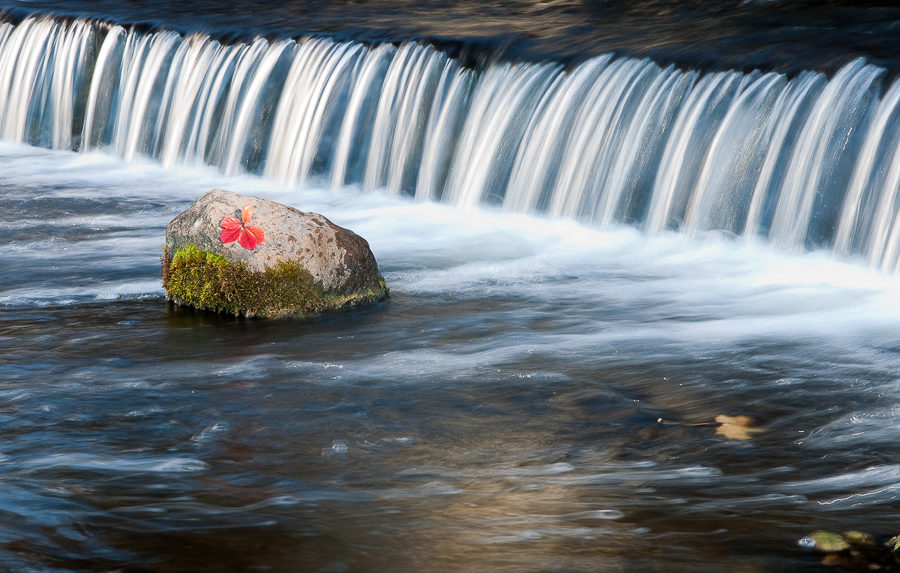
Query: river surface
(781,35)
(500,412)
(537,394)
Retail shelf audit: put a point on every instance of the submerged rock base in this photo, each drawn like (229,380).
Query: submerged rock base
(855,550)
(299,263)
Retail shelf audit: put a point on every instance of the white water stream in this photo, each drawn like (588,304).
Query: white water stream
(803,162)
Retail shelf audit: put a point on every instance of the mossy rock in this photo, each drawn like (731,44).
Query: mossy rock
(208,281)
(859,539)
(828,541)
(305,263)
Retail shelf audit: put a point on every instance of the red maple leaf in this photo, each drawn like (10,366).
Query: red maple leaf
(234,229)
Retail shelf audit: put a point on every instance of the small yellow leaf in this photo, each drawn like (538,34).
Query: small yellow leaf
(744,421)
(737,427)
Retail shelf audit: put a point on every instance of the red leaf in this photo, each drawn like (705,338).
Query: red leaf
(234,229)
(251,237)
(231,223)
(247,213)
(230,235)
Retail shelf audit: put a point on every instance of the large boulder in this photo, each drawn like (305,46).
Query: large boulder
(267,260)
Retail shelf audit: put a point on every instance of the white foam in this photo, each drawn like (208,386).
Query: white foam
(871,476)
(667,286)
(109,462)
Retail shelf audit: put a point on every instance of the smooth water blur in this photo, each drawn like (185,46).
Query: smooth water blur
(501,412)
(807,162)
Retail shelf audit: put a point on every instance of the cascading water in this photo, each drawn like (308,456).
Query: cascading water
(592,259)
(803,162)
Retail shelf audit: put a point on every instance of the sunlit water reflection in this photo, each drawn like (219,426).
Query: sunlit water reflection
(500,412)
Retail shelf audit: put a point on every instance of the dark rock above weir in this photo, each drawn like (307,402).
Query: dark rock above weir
(248,256)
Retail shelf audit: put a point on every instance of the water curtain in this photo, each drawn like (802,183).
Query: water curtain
(803,162)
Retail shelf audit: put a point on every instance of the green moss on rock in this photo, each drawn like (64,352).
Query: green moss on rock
(209,281)
(859,539)
(828,541)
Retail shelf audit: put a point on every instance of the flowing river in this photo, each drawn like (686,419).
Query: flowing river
(598,238)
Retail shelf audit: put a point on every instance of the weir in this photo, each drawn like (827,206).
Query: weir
(802,162)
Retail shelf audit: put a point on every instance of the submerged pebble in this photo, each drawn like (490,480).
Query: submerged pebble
(826,541)
(854,550)
(859,539)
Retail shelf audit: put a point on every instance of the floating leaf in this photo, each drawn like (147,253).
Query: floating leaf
(737,427)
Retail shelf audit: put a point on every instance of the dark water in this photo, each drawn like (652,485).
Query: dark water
(145,437)
(771,35)
(534,397)
(174,441)
(500,413)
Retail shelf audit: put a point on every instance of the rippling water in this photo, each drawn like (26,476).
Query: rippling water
(500,412)
(537,395)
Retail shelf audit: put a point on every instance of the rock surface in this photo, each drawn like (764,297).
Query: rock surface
(338,262)
(827,541)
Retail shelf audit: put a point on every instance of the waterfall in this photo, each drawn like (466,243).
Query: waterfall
(801,162)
